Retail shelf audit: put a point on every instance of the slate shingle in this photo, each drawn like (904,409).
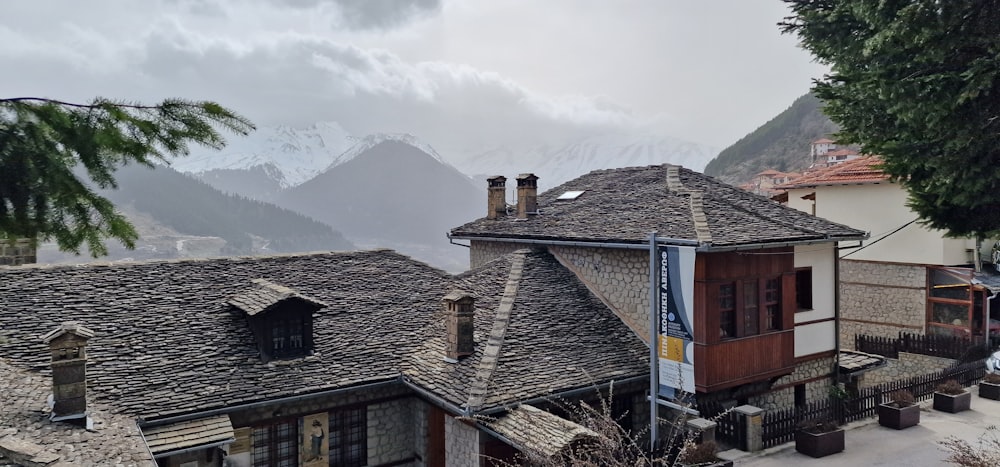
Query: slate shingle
(167,342)
(624,205)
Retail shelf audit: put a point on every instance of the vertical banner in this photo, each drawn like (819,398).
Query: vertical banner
(675,308)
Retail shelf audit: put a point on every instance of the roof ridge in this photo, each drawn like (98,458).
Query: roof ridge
(696,202)
(491,353)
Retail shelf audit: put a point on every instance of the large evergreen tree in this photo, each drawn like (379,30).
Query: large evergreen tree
(917,82)
(53,154)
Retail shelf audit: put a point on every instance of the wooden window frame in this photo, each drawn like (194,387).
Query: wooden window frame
(965,330)
(767,316)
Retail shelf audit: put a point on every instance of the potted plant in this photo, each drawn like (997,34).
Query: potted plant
(817,438)
(989,387)
(701,454)
(951,397)
(900,411)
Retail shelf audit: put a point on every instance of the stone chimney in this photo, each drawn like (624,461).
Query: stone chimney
(68,344)
(458,316)
(496,201)
(527,195)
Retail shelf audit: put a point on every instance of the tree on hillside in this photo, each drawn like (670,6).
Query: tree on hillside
(917,82)
(53,154)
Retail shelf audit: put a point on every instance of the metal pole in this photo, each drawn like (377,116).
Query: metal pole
(653,339)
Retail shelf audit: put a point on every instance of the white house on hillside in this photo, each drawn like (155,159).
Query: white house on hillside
(907,277)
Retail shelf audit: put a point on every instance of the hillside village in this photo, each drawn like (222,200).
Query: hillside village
(374,358)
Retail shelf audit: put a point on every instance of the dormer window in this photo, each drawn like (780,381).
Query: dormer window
(280,318)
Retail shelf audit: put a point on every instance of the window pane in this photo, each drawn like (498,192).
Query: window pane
(727,311)
(750,316)
(950,313)
(953,284)
(772,300)
(803,289)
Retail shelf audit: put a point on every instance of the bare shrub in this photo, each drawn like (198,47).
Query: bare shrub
(984,453)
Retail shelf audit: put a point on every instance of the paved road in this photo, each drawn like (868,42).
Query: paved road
(868,443)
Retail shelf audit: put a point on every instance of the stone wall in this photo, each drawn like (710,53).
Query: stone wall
(390,415)
(881,299)
(17,252)
(818,389)
(481,252)
(907,366)
(419,412)
(461,443)
(619,277)
(390,438)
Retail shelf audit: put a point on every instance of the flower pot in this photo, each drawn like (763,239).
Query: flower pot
(898,417)
(952,403)
(819,445)
(989,390)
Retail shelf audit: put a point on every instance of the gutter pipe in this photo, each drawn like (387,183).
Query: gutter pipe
(704,248)
(569,393)
(465,412)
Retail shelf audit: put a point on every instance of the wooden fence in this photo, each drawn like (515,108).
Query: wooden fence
(936,346)
(779,425)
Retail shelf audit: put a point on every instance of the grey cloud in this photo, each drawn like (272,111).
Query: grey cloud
(372,14)
(299,81)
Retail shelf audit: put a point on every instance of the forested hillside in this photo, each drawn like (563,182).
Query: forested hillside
(781,144)
(192,207)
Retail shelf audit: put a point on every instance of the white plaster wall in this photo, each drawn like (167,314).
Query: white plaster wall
(880,209)
(821,259)
(795,200)
(815,338)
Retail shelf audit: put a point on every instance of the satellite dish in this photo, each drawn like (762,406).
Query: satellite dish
(993,363)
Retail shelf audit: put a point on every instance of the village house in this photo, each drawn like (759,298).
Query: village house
(764,274)
(763,183)
(907,278)
(825,153)
(361,358)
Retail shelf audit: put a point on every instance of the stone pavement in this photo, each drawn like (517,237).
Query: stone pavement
(868,443)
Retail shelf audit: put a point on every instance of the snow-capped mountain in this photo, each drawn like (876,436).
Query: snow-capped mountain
(555,164)
(363,144)
(289,156)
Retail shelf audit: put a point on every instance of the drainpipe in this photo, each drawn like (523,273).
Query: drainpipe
(986,320)
(836,312)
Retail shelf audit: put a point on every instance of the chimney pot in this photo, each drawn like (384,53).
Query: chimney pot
(459,313)
(527,195)
(496,197)
(68,345)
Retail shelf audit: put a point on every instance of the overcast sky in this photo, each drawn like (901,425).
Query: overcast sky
(458,74)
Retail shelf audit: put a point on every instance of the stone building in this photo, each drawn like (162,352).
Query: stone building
(14,252)
(907,278)
(361,358)
(763,292)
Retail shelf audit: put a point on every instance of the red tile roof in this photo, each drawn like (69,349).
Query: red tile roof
(853,172)
(823,141)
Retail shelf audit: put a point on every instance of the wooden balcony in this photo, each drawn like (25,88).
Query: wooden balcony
(734,362)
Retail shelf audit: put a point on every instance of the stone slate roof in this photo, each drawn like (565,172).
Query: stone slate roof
(556,337)
(166,341)
(264,295)
(624,205)
(538,431)
(190,433)
(27,437)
